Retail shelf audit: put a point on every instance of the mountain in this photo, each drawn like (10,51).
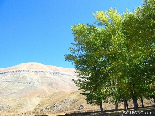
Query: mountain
(34,88)
(35,79)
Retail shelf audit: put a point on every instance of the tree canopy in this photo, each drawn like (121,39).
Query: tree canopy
(115,56)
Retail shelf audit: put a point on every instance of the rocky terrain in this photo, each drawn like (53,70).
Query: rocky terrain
(34,88)
(35,79)
(25,84)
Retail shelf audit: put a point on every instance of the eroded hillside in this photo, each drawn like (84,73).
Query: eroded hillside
(34,88)
(35,79)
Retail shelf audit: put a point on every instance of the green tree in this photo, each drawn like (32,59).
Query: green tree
(115,58)
(89,62)
(139,30)
(91,52)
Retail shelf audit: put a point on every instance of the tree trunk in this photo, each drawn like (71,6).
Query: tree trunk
(154,99)
(116,105)
(125,104)
(134,98)
(135,103)
(142,102)
(101,106)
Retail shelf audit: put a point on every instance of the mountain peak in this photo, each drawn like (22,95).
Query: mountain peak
(34,66)
(33,79)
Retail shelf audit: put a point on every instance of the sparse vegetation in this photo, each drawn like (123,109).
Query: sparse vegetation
(61,103)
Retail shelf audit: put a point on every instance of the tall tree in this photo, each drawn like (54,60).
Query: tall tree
(89,62)
(115,58)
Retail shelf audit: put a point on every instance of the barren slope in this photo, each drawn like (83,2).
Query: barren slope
(34,88)
(23,86)
(35,79)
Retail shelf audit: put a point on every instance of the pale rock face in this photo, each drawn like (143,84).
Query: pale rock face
(35,80)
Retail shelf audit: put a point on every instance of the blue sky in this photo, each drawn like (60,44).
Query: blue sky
(40,30)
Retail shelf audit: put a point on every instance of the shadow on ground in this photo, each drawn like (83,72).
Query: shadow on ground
(147,111)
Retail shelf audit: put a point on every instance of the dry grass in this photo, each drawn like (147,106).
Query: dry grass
(59,103)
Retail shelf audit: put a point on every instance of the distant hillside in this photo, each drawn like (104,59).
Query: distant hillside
(34,88)
(35,79)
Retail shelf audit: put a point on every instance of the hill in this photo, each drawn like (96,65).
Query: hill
(34,88)
(35,79)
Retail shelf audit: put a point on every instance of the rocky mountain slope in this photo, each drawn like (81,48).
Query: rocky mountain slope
(23,86)
(34,88)
(35,79)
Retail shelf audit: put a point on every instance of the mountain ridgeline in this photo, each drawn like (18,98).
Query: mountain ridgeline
(35,79)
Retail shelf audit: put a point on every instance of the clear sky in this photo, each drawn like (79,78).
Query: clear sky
(40,30)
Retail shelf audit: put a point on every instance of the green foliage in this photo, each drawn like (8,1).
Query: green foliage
(115,60)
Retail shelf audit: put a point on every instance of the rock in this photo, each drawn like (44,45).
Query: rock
(55,105)
(42,110)
(64,101)
(1,108)
(81,107)
(47,108)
